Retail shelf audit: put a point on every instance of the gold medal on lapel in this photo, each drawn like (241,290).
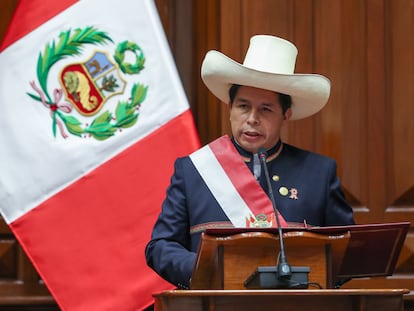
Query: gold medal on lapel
(283,191)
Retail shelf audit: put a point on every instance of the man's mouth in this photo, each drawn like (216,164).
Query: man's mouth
(251,134)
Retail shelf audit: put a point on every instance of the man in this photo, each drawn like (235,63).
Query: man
(223,183)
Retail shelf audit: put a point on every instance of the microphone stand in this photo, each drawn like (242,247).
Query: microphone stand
(282,275)
(283,268)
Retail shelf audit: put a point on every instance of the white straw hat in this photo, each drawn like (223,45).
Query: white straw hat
(269,64)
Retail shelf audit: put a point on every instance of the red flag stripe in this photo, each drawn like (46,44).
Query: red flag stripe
(106,226)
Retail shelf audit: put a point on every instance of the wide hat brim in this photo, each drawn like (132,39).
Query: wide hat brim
(309,92)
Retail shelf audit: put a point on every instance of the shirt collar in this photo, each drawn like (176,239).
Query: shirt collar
(247,156)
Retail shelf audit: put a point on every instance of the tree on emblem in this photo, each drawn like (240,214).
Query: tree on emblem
(70,43)
(109,83)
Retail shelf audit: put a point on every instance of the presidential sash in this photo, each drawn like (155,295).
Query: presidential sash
(233,185)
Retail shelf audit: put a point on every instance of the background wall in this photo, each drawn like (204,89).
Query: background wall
(365,47)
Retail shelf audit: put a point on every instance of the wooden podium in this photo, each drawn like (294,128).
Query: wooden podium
(282,300)
(227,260)
(227,257)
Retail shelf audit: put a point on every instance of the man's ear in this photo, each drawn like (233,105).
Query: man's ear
(288,114)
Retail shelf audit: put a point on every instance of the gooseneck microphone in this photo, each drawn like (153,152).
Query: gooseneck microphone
(283,268)
(282,275)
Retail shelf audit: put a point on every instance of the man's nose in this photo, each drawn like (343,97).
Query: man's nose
(253,117)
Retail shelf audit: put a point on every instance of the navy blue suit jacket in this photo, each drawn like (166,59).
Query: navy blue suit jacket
(189,207)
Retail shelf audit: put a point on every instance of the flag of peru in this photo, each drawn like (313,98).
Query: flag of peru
(92,117)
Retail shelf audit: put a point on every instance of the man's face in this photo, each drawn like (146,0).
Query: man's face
(256,118)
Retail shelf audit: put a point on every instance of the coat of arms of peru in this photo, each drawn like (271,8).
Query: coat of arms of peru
(86,86)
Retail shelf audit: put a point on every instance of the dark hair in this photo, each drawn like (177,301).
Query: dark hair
(285,100)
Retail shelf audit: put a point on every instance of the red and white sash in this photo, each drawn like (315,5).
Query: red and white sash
(233,185)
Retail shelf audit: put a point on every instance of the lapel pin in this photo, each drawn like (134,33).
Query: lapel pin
(283,191)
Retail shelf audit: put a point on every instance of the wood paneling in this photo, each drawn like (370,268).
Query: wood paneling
(6,10)
(400,108)
(20,285)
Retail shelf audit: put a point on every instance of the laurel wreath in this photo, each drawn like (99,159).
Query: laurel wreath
(105,125)
(119,57)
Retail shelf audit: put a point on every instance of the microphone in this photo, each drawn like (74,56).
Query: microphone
(283,267)
(282,275)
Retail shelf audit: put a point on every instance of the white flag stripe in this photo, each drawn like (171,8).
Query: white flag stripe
(40,165)
(221,186)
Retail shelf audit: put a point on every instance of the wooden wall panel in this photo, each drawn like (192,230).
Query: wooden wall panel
(341,55)
(302,132)
(210,117)
(376,109)
(398,123)
(400,108)
(192,28)
(6,10)
(399,138)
